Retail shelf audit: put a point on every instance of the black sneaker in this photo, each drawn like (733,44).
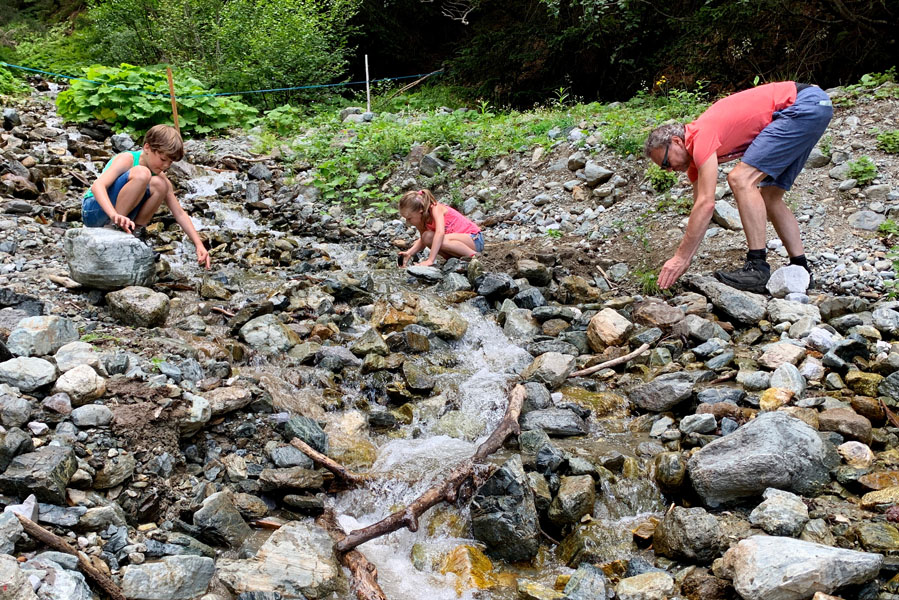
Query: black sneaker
(751,278)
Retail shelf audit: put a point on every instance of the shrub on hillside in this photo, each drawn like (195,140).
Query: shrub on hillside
(234,45)
(9,84)
(133,99)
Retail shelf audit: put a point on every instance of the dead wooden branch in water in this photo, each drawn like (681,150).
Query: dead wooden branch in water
(611,363)
(448,489)
(328,463)
(60,545)
(365,573)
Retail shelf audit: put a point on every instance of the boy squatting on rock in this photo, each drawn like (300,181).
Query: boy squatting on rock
(446,231)
(133,186)
(774,128)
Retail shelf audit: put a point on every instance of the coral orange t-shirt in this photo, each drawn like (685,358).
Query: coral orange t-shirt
(730,124)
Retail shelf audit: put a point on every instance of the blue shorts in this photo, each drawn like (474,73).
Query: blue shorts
(478,239)
(781,149)
(91,213)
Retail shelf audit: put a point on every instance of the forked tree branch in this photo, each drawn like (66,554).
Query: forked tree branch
(447,490)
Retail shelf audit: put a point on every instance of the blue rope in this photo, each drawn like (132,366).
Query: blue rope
(285,89)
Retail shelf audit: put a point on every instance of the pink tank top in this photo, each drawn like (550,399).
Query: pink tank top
(454,222)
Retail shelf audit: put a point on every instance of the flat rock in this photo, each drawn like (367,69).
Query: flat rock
(296,561)
(138,306)
(76,353)
(27,373)
(745,307)
(780,311)
(781,568)
(172,578)
(556,422)
(781,513)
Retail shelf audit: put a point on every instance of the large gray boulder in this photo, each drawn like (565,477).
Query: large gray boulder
(40,336)
(781,568)
(108,259)
(503,515)
(172,578)
(773,450)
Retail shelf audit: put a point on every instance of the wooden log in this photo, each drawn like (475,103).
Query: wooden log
(448,489)
(60,545)
(610,363)
(365,573)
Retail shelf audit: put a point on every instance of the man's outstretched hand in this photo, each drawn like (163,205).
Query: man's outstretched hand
(674,267)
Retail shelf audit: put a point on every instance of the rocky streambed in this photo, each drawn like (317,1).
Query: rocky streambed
(750,451)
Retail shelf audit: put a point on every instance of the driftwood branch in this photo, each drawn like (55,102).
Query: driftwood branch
(60,545)
(611,363)
(448,489)
(365,573)
(328,463)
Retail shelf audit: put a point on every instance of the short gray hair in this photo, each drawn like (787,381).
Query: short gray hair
(661,136)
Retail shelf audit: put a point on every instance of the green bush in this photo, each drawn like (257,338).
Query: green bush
(863,170)
(133,99)
(660,179)
(889,141)
(234,45)
(10,85)
(284,119)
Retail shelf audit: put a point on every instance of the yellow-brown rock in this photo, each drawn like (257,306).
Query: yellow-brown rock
(885,497)
(472,568)
(774,398)
(880,480)
(864,384)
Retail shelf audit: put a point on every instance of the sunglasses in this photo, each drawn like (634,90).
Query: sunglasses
(665,164)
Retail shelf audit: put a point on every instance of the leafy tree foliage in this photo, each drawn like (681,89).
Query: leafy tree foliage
(233,44)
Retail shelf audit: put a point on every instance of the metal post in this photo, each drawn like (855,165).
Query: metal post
(367,87)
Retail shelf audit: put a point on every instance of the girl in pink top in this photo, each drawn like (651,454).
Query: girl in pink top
(443,229)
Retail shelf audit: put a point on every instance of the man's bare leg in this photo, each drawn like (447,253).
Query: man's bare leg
(783,219)
(744,180)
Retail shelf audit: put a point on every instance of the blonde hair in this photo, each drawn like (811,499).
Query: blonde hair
(165,140)
(421,200)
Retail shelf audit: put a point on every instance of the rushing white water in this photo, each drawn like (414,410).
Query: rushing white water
(486,361)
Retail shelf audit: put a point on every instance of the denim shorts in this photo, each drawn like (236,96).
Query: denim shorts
(781,149)
(478,239)
(91,213)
